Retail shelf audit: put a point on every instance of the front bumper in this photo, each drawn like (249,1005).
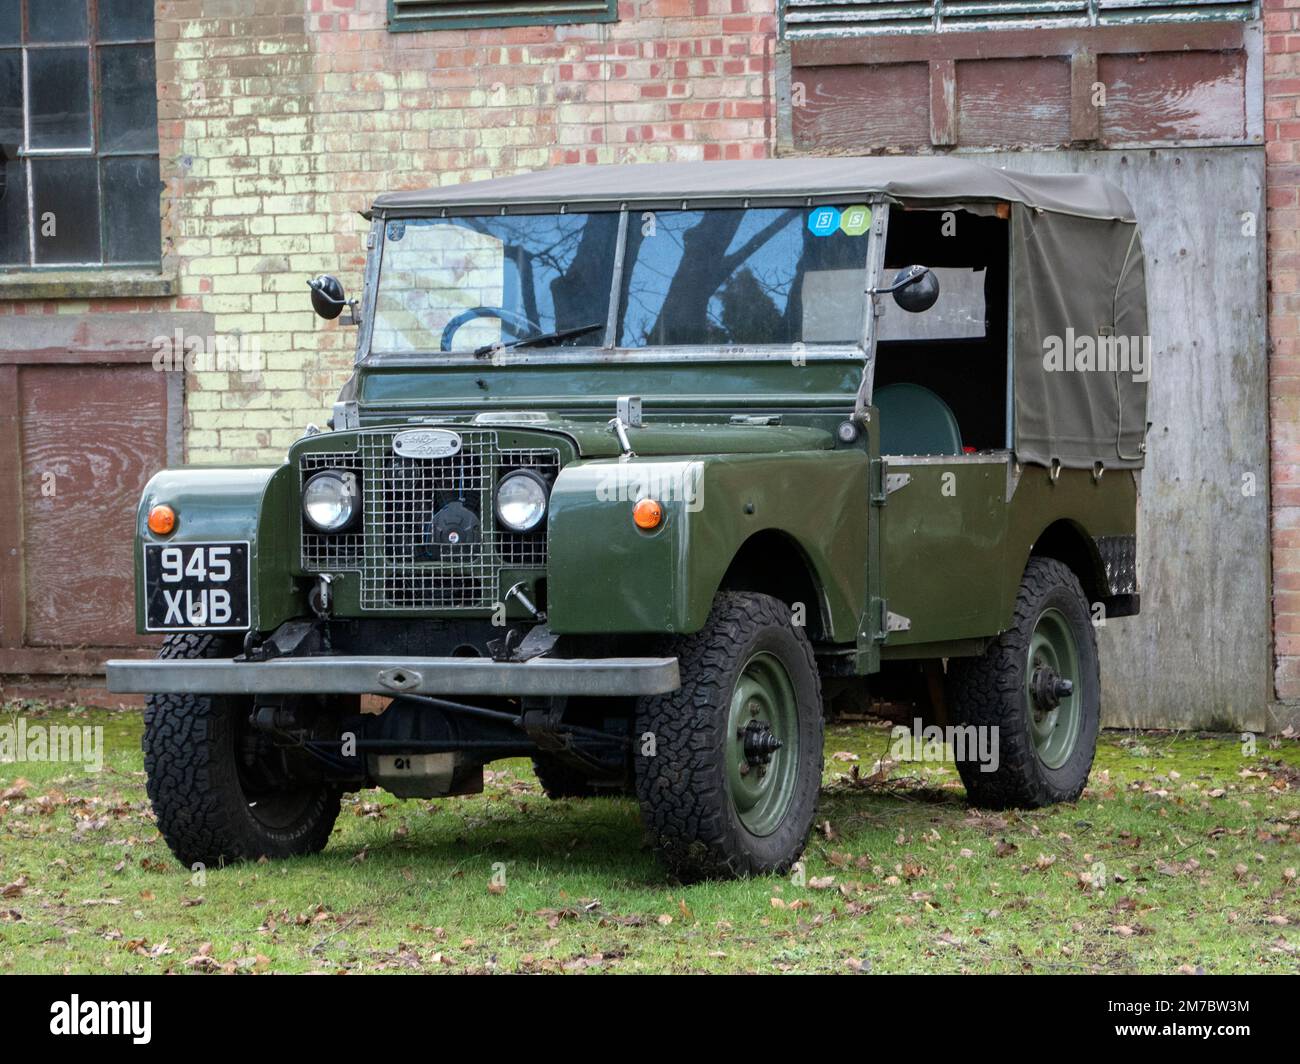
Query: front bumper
(378,675)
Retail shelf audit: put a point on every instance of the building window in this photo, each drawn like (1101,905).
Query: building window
(79,181)
(834,18)
(475,14)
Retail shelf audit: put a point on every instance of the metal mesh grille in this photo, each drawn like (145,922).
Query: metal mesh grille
(406,559)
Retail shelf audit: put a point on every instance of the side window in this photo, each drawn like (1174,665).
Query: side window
(79,184)
(954,353)
(959,314)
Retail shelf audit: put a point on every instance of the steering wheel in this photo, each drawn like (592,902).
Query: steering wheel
(517,322)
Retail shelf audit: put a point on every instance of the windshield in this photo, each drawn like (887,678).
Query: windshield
(723,277)
(465,284)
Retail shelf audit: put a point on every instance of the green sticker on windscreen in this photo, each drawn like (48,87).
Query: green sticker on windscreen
(855,220)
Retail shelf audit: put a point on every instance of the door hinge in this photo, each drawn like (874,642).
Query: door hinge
(891,622)
(884,484)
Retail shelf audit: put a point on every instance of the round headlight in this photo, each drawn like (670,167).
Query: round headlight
(521,500)
(330,500)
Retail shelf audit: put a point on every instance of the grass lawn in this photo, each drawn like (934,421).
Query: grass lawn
(1182,854)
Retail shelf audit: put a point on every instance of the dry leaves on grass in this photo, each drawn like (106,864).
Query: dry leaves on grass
(16,790)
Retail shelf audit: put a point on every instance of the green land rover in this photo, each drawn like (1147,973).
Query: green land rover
(640,467)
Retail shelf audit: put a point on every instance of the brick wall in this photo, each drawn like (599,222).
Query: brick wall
(1282,137)
(277,128)
(279,120)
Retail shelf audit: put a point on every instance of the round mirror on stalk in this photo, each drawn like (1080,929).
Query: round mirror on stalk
(915,288)
(327,297)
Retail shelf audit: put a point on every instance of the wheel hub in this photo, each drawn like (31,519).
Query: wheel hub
(1052,690)
(760,743)
(1048,688)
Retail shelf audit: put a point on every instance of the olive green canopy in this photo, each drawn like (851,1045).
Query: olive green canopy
(1080,347)
(919,181)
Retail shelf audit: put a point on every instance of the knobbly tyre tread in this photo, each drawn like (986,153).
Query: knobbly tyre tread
(191,779)
(682,789)
(988,691)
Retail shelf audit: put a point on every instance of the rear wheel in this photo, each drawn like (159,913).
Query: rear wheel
(222,791)
(1039,686)
(728,767)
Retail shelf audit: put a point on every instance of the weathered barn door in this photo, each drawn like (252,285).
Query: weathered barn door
(1199,655)
(81,431)
(1166,101)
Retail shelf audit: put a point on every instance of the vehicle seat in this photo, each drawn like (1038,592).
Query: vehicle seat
(914,420)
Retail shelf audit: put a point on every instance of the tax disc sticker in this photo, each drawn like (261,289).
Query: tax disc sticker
(822,221)
(855,220)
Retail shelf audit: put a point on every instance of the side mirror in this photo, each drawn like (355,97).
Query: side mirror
(327,297)
(915,288)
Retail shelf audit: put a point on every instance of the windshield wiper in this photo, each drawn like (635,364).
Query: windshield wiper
(541,339)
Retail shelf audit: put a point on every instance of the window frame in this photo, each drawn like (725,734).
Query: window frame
(606,351)
(94,47)
(935,22)
(424,23)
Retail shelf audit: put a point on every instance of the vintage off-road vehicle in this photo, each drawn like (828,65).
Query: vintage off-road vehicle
(638,468)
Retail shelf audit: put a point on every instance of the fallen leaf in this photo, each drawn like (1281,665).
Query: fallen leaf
(17,790)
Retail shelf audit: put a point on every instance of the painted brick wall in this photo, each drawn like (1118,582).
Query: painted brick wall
(1282,137)
(279,120)
(278,127)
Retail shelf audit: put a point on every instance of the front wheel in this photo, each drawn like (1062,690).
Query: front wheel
(728,767)
(1038,689)
(221,791)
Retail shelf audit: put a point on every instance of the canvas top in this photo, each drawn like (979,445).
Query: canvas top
(910,180)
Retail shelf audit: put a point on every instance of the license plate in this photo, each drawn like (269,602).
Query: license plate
(196,586)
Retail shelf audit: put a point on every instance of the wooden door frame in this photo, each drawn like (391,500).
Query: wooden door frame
(16,657)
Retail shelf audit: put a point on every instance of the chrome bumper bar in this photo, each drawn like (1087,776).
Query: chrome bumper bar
(378,675)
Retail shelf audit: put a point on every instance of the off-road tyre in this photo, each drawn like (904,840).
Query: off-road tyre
(191,762)
(681,740)
(990,691)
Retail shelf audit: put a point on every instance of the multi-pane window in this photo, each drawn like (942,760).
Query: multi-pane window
(79,181)
(858,18)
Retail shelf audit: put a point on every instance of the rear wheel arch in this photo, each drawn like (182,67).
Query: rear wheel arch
(1068,543)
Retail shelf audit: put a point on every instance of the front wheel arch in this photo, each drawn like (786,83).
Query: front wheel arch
(772,562)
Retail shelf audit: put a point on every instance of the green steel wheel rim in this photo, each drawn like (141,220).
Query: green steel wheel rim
(1054,717)
(762,744)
